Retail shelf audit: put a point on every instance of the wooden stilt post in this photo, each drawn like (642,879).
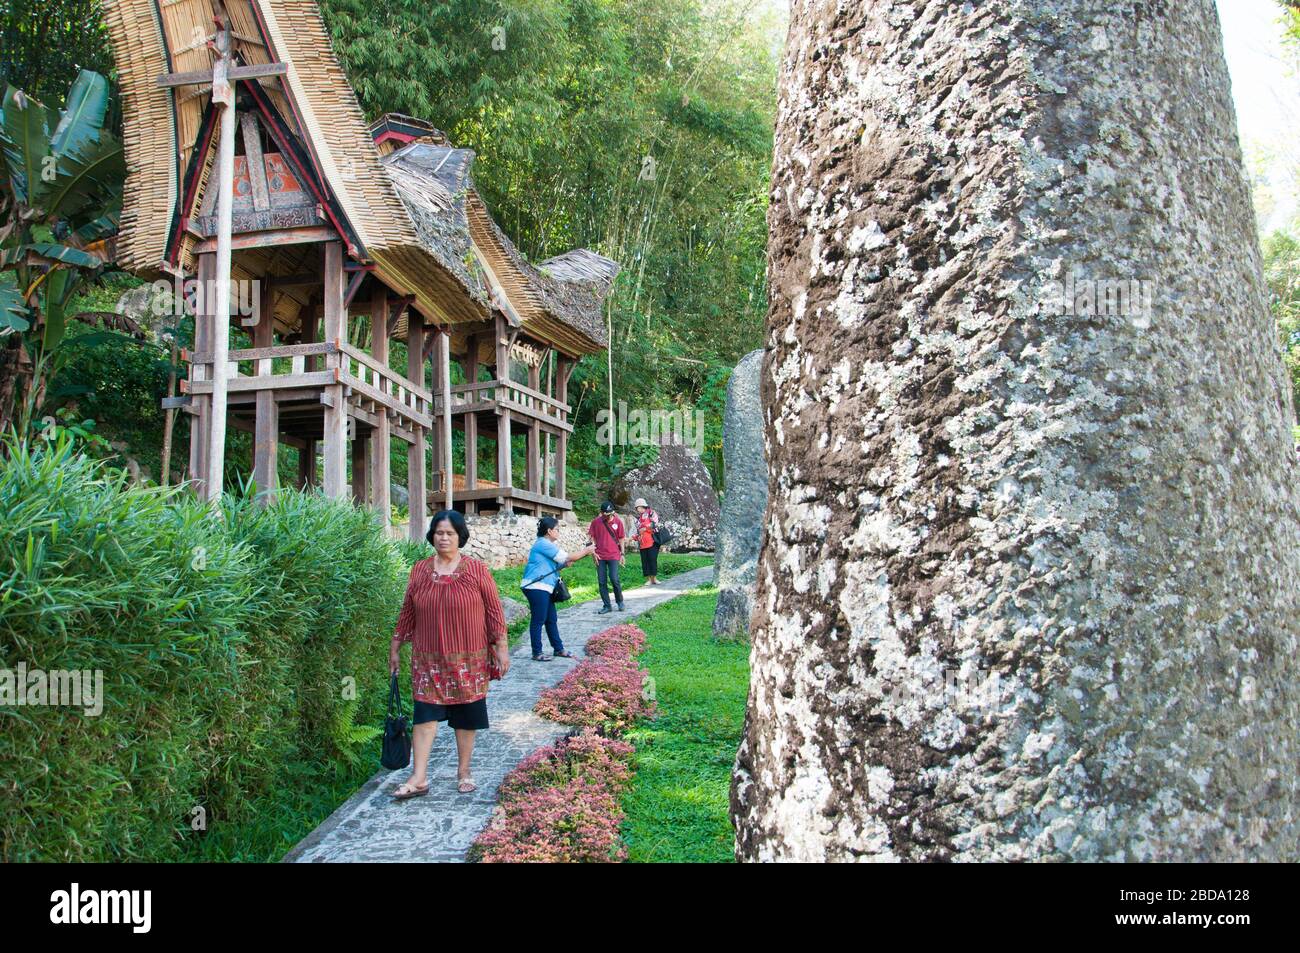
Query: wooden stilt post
(439,464)
(471,421)
(360,469)
(201,422)
(445,360)
(504,476)
(310,332)
(548,457)
(306,464)
(336,411)
(563,369)
(416,484)
(533,471)
(266,429)
(381,436)
(223,95)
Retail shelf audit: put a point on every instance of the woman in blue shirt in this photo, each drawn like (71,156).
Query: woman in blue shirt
(545,560)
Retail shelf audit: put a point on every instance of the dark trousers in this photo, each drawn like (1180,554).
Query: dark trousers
(607,569)
(543,614)
(650,560)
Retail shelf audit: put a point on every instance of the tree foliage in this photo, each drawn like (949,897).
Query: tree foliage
(639,128)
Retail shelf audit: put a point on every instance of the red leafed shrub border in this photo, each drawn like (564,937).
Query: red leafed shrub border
(561,803)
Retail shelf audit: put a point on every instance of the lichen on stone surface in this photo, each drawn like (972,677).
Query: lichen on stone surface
(969,476)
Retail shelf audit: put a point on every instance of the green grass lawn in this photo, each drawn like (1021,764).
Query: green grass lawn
(677,806)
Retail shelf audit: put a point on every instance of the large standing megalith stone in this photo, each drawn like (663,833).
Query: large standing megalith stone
(678,488)
(1029,581)
(740,525)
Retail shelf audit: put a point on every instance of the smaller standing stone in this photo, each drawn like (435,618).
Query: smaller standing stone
(740,526)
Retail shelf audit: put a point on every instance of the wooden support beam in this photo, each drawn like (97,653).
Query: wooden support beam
(233,73)
(307,465)
(256,164)
(447,480)
(291,281)
(471,420)
(266,433)
(201,424)
(311,314)
(381,443)
(416,481)
(223,96)
(336,414)
(399,306)
(354,284)
(431,341)
(360,470)
(563,368)
(504,476)
(548,459)
(532,469)
(272,237)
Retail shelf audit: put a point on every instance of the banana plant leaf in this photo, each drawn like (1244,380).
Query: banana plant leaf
(83,116)
(64,253)
(25,141)
(87,173)
(102,227)
(13,306)
(58,287)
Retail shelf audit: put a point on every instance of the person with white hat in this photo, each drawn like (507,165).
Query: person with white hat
(647,530)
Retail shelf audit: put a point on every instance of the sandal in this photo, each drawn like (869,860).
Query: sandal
(412,791)
(465,785)
(563,654)
(539,657)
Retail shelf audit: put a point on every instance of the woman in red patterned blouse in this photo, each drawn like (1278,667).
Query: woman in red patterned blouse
(453,619)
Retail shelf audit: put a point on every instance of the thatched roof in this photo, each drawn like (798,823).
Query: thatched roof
(558,301)
(413,223)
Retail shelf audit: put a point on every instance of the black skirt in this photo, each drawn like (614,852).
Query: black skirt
(471,716)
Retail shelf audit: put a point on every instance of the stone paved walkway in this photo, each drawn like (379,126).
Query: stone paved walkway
(371,827)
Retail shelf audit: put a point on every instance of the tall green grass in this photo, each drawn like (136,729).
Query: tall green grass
(244,660)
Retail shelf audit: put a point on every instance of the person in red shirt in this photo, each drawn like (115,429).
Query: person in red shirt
(647,525)
(608,533)
(452,617)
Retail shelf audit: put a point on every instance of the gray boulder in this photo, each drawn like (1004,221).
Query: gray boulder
(514,609)
(740,526)
(398,496)
(678,488)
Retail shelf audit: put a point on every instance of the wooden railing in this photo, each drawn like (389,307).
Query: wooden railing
(370,377)
(254,368)
(510,395)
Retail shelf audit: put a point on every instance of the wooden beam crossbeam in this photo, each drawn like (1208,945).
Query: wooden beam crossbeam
(256,71)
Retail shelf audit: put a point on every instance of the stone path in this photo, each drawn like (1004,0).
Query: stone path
(371,827)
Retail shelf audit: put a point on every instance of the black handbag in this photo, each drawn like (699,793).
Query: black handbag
(396,752)
(662,536)
(561,591)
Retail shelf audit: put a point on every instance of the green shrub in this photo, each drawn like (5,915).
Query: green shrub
(224,645)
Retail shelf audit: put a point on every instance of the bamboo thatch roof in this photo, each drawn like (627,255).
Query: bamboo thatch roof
(422,227)
(557,301)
